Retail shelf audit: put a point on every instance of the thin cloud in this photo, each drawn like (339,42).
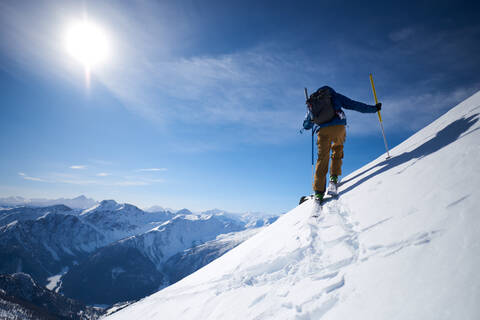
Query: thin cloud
(130,183)
(101,162)
(402,34)
(80,182)
(113,181)
(27,177)
(425,107)
(152,169)
(409,112)
(78,167)
(256,93)
(246,89)
(103,174)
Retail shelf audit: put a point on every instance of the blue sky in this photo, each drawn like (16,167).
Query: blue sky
(200,102)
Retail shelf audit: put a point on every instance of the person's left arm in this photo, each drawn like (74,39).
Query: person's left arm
(307,122)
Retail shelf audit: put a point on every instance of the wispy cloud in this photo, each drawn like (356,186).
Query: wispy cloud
(423,108)
(410,111)
(254,94)
(101,162)
(114,183)
(78,167)
(241,88)
(103,174)
(256,90)
(130,183)
(401,34)
(27,177)
(152,169)
(105,180)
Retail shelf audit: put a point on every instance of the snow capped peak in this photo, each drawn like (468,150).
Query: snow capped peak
(214,212)
(184,211)
(156,209)
(109,205)
(105,205)
(24,277)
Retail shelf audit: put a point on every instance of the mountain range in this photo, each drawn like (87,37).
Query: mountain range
(120,250)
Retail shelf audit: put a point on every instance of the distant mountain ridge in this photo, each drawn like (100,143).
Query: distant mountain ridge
(80,202)
(73,250)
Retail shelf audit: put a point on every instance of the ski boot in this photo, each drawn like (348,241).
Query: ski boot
(318,196)
(332,186)
(317,208)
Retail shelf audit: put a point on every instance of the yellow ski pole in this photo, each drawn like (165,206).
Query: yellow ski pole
(379,116)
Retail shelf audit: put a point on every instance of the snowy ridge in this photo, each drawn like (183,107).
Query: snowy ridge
(80,202)
(399,243)
(117,221)
(11,215)
(176,235)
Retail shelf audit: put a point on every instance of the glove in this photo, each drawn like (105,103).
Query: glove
(378,106)
(307,124)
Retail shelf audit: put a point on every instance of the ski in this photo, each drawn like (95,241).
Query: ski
(332,189)
(317,209)
(305,198)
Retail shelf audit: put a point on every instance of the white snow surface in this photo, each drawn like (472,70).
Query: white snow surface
(401,242)
(54,283)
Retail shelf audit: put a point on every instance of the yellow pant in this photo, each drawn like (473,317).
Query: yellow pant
(333,138)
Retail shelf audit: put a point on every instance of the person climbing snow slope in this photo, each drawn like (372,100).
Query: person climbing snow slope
(326,117)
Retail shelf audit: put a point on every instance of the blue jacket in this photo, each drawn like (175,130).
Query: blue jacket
(339,101)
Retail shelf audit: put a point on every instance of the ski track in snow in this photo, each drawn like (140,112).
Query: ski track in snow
(327,245)
(320,261)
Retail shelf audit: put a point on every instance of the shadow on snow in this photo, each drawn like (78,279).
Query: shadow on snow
(443,138)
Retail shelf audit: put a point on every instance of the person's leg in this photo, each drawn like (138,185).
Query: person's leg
(324,142)
(338,136)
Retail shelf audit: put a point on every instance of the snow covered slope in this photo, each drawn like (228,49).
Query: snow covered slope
(401,242)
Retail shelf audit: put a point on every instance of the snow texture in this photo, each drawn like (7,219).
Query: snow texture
(54,283)
(401,242)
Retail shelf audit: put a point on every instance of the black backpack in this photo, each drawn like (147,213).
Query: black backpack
(321,105)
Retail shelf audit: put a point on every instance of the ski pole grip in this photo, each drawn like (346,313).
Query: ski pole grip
(306,94)
(375,97)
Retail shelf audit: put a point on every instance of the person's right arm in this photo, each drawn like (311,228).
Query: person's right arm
(348,103)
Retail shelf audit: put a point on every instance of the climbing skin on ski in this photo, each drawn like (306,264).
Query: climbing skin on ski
(332,189)
(333,186)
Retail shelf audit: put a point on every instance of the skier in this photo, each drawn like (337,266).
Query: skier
(331,134)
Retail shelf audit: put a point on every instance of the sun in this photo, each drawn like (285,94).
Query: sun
(87,43)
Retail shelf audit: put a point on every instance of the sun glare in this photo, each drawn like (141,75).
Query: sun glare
(87,43)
